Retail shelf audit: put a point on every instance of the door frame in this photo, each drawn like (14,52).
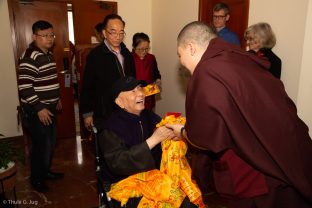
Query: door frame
(13,32)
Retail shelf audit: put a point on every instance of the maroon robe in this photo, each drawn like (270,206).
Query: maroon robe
(233,104)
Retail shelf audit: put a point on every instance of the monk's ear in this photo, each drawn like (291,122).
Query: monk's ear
(119,102)
(192,48)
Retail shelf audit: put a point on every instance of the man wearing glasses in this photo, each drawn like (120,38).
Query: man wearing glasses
(40,99)
(105,64)
(220,17)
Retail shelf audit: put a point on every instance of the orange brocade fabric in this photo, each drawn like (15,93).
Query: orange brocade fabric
(164,188)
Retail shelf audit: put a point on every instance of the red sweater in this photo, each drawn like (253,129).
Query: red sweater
(147,70)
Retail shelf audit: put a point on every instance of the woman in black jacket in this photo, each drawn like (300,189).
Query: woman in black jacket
(260,40)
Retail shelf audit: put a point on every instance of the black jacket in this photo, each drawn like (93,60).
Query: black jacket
(123,146)
(101,71)
(276,63)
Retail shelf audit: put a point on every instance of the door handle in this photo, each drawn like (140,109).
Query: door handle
(65,66)
(64,72)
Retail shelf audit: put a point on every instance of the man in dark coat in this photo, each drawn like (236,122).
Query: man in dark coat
(105,64)
(239,111)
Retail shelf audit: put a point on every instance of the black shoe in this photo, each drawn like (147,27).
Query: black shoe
(54,175)
(39,186)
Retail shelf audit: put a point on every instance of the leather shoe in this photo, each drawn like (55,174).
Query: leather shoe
(54,175)
(39,186)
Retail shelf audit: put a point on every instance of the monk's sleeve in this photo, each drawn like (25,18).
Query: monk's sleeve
(123,160)
(208,102)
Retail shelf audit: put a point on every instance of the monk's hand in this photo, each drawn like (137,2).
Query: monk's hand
(176,128)
(45,116)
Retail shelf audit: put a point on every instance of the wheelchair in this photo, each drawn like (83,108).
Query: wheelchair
(104,200)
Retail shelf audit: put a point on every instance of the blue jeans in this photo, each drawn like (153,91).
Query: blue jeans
(43,141)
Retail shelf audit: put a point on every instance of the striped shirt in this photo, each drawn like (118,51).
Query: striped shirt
(37,78)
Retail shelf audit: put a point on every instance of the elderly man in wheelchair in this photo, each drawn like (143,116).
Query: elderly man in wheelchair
(131,148)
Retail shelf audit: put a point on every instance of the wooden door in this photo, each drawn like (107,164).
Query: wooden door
(86,15)
(24,15)
(239,11)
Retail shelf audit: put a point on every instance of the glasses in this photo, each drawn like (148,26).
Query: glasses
(218,17)
(143,49)
(52,36)
(116,34)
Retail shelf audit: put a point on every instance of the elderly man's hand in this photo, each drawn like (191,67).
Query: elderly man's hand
(163,133)
(159,135)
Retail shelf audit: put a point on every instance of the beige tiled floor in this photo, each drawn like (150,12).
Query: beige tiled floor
(77,189)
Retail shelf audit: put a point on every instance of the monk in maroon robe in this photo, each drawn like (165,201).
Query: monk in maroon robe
(237,110)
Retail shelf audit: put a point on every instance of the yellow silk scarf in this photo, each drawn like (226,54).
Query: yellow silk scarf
(164,188)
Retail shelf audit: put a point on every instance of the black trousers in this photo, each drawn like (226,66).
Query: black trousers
(43,141)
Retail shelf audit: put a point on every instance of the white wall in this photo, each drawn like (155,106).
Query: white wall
(8,85)
(138,18)
(168,18)
(304,101)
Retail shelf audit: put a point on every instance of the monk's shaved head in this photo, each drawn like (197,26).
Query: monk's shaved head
(197,33)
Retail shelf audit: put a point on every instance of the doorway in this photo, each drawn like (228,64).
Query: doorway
(74,22)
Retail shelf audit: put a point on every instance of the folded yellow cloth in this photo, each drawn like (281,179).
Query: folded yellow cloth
(164,188)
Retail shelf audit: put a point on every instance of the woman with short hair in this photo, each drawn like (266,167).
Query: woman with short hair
(260,40)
